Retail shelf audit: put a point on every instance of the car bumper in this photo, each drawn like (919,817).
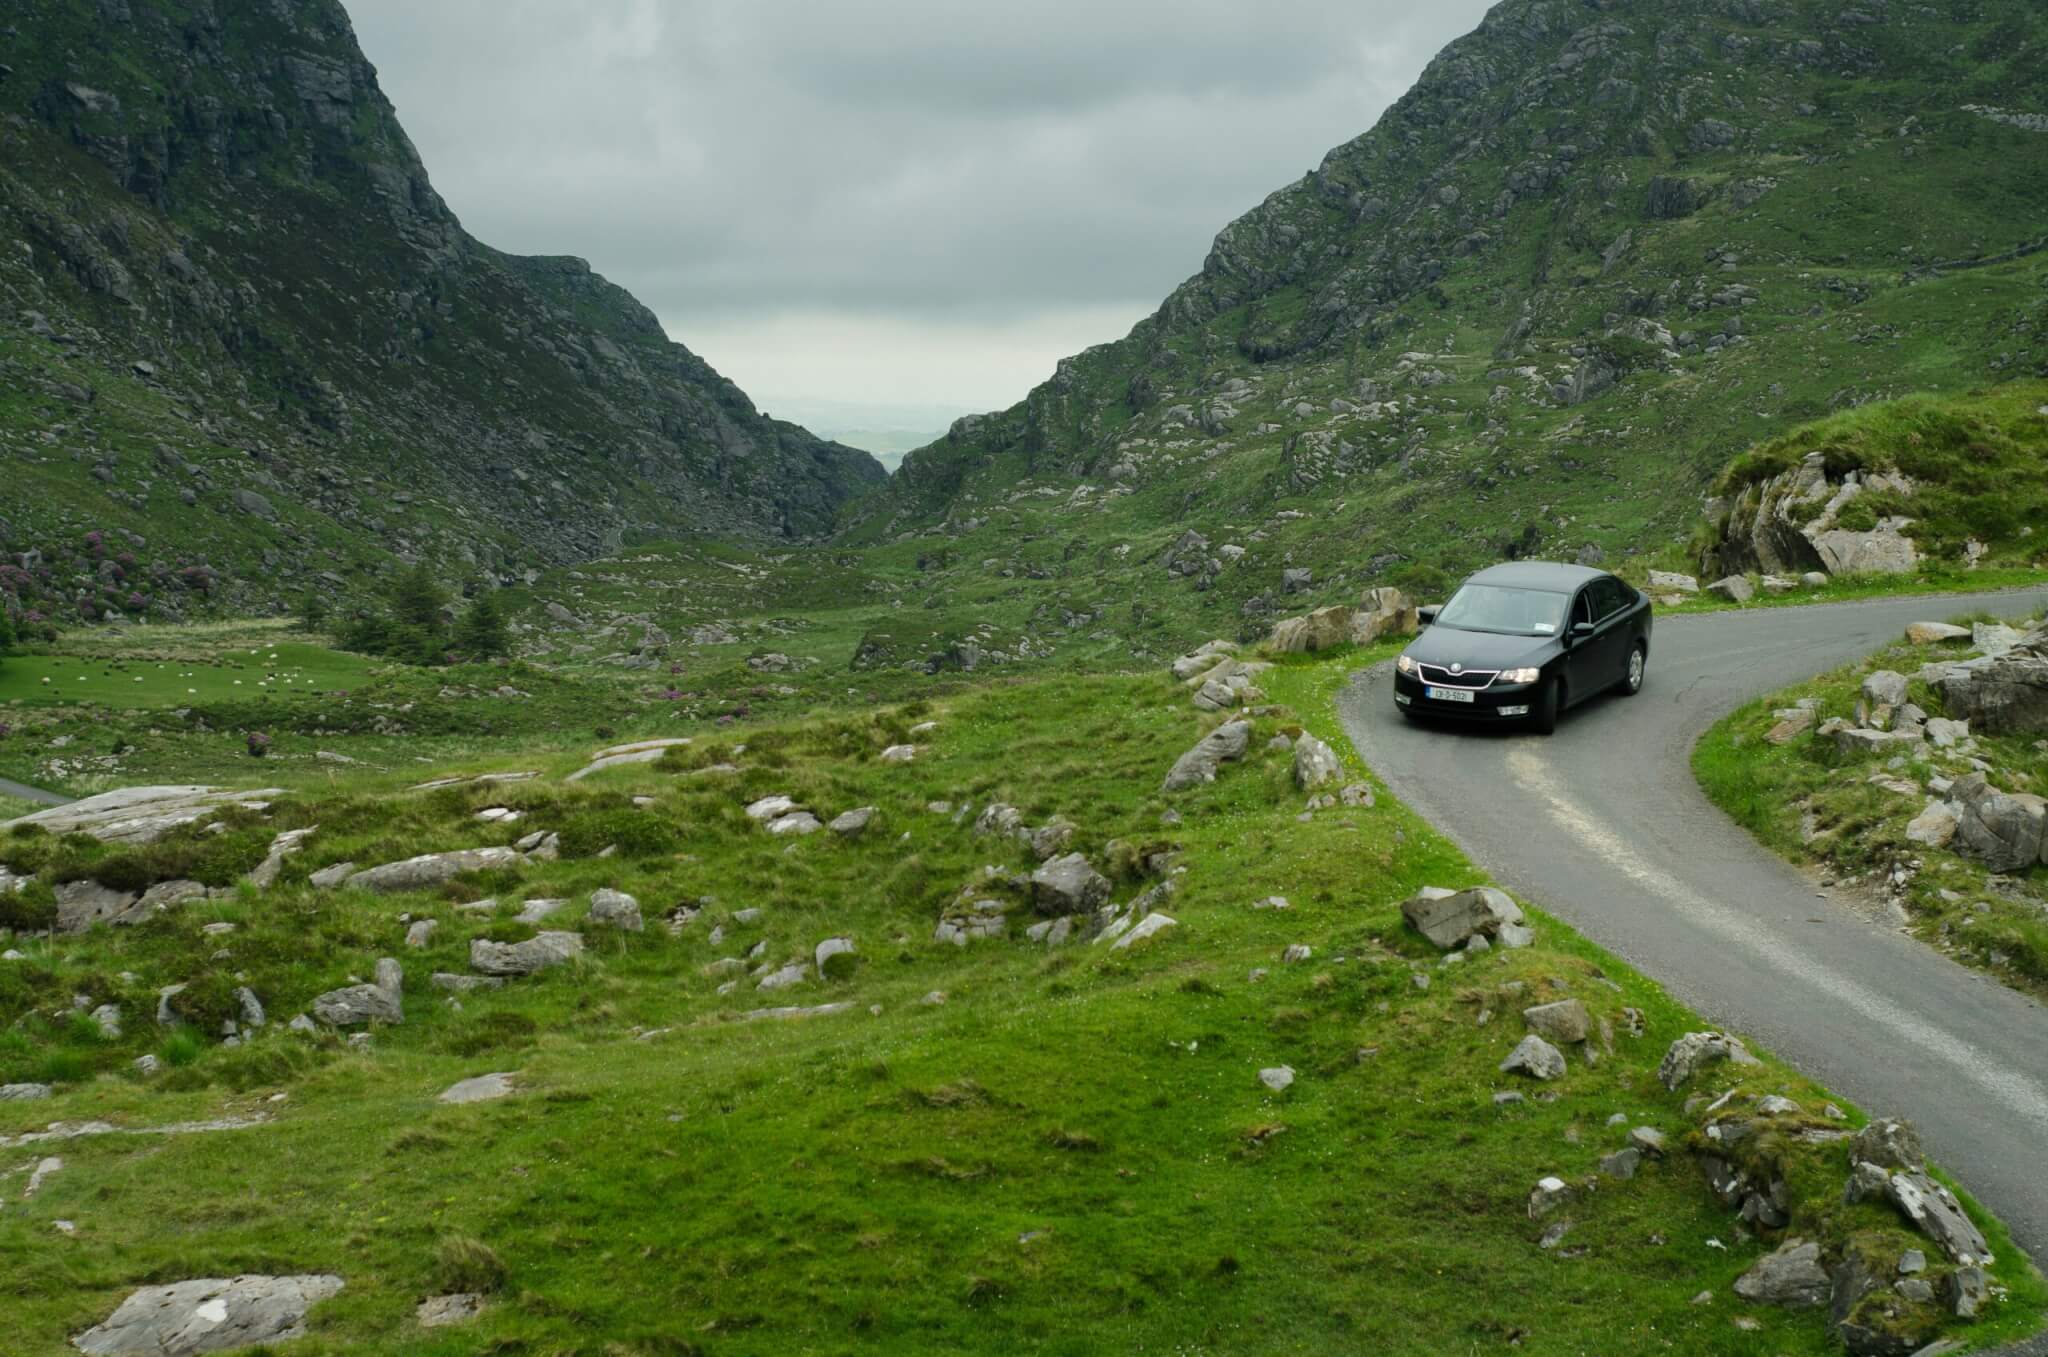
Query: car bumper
(1500,702)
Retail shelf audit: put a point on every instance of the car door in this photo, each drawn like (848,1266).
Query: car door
(1585,667)
(1611,600)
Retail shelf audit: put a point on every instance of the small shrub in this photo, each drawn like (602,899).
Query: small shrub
(30,909)
(181,1048)
(634,831)
(463,1263)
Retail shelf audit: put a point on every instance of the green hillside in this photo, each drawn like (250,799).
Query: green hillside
(1591,257)
(241,336)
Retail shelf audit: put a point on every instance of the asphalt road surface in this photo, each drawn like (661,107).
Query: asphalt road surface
(28,793)
(1603,826)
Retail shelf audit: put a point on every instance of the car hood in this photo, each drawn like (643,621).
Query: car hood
(1481,649)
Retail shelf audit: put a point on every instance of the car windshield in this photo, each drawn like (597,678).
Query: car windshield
(1512,612)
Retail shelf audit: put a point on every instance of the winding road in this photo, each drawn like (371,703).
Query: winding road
(1603,826)
(22,791)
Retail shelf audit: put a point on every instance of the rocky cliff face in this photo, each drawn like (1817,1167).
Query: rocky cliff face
(1599,248)
(237,316)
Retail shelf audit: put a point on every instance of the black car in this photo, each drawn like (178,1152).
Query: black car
(1523,641)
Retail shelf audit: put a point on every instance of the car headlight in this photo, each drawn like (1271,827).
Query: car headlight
(1520,675)
(1405,665)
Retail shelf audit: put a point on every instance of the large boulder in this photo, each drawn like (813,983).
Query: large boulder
(1452,918)
(2006,832)
(1324,629)
(210,1314)
(524,958)
(1068,885)
(1225,744)
(431,869)
(137,815)
(2008,695)
(1384,612)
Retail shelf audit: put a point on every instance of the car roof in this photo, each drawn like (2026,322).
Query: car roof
(1553,576)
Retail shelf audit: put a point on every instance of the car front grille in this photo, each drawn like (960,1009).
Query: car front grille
(1471,678)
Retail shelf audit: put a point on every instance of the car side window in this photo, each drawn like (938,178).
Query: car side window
(1582,607)
(1610,597)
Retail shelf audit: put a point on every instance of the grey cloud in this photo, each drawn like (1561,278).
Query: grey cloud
(732,160)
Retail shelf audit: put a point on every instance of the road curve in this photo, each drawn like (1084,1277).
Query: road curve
(22,791)
(1603,825)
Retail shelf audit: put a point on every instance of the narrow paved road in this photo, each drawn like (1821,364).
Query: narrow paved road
(1603,825)
(25,792)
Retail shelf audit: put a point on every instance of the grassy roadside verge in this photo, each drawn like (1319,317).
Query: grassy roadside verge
(1072,1153)
(1847,813)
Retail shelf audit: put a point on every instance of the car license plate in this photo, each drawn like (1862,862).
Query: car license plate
(1447,694)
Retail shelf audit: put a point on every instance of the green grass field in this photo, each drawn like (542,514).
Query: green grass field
(1072,1153)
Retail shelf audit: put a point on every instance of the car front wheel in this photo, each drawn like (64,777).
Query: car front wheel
(1543,712)
(1638,663)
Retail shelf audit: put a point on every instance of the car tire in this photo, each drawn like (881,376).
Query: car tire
(1543,711)
(1638,666)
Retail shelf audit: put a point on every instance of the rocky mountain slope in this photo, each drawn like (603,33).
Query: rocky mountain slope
(244,341)
(1597,251)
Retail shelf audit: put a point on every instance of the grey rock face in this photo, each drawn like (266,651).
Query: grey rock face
(1449,918)
(81,904)
(207,1315)
(1536,1058)
(21,1093)
(1068,885)
(795,973)
(1792,1277)
(1934,1211)
(2007,832)
(1736,589)
(431,869)
(1884,688)
(615,909)
(524,958)
(1225,744)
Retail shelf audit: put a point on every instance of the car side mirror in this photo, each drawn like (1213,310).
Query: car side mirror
(1581,630)
(1425,616)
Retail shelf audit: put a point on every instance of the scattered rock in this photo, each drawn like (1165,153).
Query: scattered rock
(853,823)
(207,1315)
(1314,763)
(360,1004)
(21,1093)
(1792,1276)
(438,1312)
(431,869)
(1935,633)
(1622,1164)
(615,909)
(1535,1057)
(1696,1050)
(1449,918)
(1068,885)
(1225,744)
(524,958)
(1151,926)
(1889,1143)
(1565,1021)
(482,1089)
(1549,1194)
(1278,1079)
(1934,1211)
(795,973)
(899,753)
(1735,589)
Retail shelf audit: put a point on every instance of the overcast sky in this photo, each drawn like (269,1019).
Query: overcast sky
(890,203)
